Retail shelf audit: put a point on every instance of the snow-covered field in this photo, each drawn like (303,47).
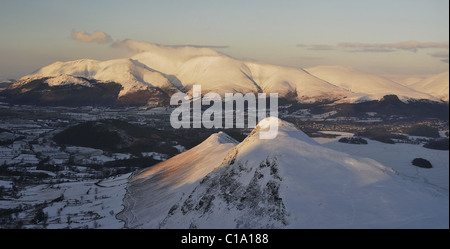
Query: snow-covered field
(78,204)
(398,157)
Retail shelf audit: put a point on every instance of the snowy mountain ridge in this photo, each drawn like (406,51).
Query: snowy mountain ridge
(289,182)
(169,69)
(366,86)
(436,85)
(154,190)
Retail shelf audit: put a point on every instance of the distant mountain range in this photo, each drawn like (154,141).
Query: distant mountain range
(154,75)
(368,86)
(436,84)
(288,182)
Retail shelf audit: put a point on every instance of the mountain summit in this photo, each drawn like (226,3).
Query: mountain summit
(288,182)
(158,71)
(164,70)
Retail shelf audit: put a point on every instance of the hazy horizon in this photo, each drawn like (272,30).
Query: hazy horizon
(382,37)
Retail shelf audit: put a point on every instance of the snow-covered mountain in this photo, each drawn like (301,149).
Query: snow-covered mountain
(436,85)
(219,73)
(365,86)
(169,69)
(129,73)
(289,182)
(152,192)
(162,70)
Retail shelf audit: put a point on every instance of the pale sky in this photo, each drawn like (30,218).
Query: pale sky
(376,36)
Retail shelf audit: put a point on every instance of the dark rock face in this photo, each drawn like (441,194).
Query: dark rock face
(258,198)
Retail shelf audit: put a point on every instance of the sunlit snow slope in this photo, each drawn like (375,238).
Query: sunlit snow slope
(365,86)
(179,68)
(436,85)
(152,192)
(131,74)
(288,182)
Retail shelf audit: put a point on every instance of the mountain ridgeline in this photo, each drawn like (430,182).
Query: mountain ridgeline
(289,182)
(149,78)
(39,92)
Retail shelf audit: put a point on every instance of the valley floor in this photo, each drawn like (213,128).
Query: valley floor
(77,204)
(95,203)
(83,197)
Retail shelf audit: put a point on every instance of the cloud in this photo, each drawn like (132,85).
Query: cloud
(440,54)
(443,55)
(358,47)
(200,46)
(143,46)
(372,50)
(97,36)
(318,47)
(134,46)
(412,46)
(321,47)
(130,44)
